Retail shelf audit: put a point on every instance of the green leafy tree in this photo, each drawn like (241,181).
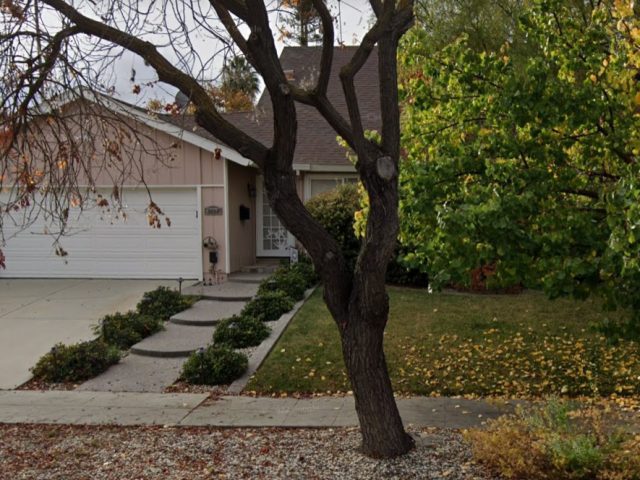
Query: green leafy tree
(488,24)
(238,87)
(532,175)
(301,23)
(238,75)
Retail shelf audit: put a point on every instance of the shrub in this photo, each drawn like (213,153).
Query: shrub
(286,279)
(620,329)
(557,440)
(214,365)
(399,274)
(335,210)
(268,306)
(75,363)
(306,271)
(162,303)
(241,332)
(506,447)
(125,329)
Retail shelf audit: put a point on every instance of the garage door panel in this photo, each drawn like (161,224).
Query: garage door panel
(102,246)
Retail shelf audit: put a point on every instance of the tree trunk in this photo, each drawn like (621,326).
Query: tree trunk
(383,435)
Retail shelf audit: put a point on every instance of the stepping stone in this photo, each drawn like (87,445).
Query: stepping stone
(174,341)
(207,312)
(136,373)
(224,292)
(242,277)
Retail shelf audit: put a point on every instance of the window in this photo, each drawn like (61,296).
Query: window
(317,184)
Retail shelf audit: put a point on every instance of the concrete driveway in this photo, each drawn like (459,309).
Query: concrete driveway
(37,314)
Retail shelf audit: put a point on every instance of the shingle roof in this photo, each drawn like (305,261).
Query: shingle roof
(317,144)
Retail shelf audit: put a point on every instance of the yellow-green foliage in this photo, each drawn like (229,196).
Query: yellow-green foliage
(507,447)
(558,441)
(335,210)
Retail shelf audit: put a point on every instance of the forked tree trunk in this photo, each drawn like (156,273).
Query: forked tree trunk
(357,299)
(359,304)
(383,435)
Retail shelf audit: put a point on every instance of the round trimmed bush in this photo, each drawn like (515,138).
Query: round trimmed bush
(268,306)
(286,279)
(125,329)
(214,365)
(162,303)
(241,332)
(335,211)
(305,270)
(75,363)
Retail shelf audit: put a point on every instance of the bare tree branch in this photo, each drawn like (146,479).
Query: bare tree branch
(47,66)
(326,60)
(376,6)
(232,28)
(347,76)
(167,72)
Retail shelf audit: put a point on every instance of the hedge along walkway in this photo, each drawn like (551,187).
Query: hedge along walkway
(156,362)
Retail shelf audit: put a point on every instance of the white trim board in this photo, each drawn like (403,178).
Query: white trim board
(227,241)
(308,167)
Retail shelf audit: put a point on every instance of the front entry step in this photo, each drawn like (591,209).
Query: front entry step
(242,277)
(207,313)
(225,292)
(174,341)
(265,269)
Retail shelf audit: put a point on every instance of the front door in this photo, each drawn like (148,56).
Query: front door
(273,239)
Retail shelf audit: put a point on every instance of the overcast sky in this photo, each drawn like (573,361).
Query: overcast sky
(355,16)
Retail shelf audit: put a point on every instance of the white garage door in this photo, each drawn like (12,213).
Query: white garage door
(102,246)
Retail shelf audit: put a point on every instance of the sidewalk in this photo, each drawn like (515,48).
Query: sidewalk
(185,409)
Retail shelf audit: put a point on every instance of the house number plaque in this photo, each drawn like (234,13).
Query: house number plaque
(213,210)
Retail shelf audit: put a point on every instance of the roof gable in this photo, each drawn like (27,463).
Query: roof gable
(317,146)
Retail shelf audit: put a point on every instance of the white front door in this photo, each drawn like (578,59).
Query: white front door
(273,239)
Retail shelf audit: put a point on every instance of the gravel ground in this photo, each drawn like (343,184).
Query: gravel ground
(101,453)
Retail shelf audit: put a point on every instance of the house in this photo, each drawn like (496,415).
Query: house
(220,220)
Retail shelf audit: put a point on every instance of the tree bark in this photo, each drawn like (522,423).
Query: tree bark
(383,435)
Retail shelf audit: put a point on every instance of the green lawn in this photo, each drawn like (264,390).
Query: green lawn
(464,344)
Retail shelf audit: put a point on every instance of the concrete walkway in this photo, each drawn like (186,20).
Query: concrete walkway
(155,363)
(100,408)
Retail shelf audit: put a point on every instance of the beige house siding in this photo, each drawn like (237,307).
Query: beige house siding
(163,160)
(242,234)
(158,159)
(213,225)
